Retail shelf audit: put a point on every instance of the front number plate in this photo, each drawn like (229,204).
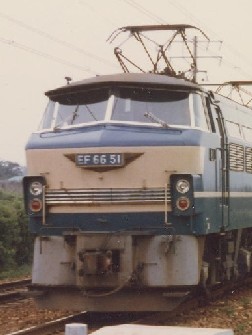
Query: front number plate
(106,159)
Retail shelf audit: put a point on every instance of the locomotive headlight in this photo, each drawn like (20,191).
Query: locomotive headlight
(36,188)
(34,196)
(182,186)
(182,194)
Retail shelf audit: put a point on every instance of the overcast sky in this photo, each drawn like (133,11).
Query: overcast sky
(42,41)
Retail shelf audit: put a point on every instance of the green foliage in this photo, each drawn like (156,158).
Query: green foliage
(16,272)
(15,241)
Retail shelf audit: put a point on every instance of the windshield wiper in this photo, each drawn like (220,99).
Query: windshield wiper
(73,117)
(75,114)
(154,118)
(90,112)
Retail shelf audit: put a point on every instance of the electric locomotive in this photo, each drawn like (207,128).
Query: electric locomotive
(138,192)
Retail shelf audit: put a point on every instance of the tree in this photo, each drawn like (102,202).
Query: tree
(10,169)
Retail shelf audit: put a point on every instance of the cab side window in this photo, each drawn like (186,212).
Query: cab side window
(201,117)
(233,129)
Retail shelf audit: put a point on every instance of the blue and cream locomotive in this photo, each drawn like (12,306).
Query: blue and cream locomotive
(138,191)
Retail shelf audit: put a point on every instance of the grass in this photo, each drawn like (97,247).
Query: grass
(229,310)
(21,271)
(246,302)
(240,328)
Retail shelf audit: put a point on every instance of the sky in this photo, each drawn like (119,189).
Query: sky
(43,41)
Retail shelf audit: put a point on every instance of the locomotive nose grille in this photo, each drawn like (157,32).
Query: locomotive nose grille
(107,196)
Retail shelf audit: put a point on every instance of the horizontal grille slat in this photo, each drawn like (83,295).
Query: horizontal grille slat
(106,196)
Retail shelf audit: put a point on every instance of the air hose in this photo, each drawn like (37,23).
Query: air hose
(132,276)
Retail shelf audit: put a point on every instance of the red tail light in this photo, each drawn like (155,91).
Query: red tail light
(35,205)
(183,203)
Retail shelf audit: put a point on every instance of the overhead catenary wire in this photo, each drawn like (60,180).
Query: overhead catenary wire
(192,17)
(187,13)
(142,10)
(94,10)
(56,40)
(45,55)
(146,12)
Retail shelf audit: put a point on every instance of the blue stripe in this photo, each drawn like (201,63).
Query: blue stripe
(117,136)
(205,220)
(143,222)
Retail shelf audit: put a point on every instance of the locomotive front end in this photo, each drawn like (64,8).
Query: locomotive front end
(110,192)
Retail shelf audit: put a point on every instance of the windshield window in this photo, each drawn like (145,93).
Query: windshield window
(83,107)
(199,112)
(46,122)
(145,105)
(133,105)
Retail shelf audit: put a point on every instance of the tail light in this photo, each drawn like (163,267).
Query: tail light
(34,195)
(182,194)
(35,205)
(183,203)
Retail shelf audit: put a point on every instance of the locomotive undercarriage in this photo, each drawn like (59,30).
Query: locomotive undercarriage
(126,300)
(227,257)
(115,272)
(122,272)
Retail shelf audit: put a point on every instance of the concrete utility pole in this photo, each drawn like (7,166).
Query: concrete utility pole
(195,68)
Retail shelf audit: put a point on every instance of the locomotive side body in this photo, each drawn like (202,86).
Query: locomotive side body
(130,195)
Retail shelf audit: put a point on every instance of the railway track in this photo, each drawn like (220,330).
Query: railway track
(93,320)
(98,320)
(13,290)
(50,327)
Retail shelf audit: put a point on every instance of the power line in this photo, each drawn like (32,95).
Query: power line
(45,55)
(55,39)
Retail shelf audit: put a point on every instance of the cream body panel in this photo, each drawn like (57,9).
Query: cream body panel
(109,208)
(166,261)
(151,169)
(53,262)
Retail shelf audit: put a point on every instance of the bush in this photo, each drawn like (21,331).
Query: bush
(15,240)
